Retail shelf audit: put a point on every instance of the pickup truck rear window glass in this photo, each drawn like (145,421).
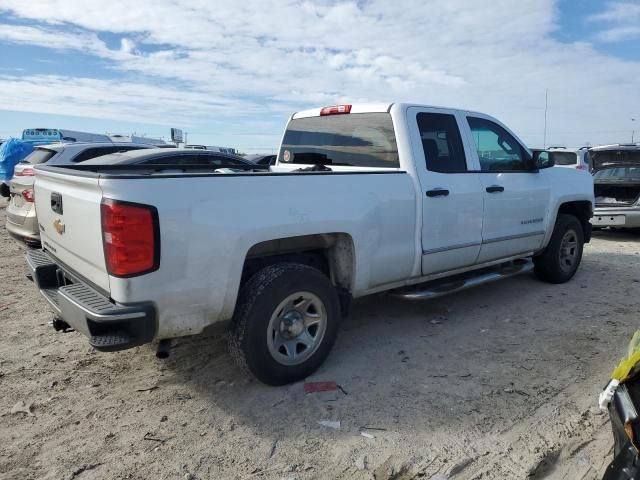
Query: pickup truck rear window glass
(358,139)
(40,155)
(497,150)
(441,142)
(564,158)
(90,153)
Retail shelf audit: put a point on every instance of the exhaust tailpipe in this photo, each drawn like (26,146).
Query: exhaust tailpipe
(164,349)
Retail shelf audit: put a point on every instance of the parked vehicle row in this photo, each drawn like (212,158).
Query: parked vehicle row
(22,222)
(413,200)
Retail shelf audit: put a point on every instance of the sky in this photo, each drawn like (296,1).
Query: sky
(230,73)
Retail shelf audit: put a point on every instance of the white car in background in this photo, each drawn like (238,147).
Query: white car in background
(577,158)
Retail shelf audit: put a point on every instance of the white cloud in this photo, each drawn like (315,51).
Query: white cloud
(134,102)
(197,59)
(620,21)
(619,12)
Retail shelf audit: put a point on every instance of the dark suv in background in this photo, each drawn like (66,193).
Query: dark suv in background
(21,212)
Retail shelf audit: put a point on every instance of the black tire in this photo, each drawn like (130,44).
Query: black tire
(549,266)
(258,299)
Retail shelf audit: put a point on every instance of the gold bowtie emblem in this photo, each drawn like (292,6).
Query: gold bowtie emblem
(59,226)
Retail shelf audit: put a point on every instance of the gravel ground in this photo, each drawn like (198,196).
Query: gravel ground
(493,383)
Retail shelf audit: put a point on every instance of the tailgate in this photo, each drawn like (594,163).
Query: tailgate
(68,210)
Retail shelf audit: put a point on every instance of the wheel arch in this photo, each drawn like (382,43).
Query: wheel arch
(581,209)
(331,253)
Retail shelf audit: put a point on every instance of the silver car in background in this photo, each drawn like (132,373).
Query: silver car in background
(21,213)
(616,181)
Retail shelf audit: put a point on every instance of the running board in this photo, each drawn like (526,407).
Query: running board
(445,286)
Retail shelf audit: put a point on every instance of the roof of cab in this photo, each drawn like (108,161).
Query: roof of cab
(374,108)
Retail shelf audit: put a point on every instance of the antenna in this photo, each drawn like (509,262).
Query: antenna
(546,107)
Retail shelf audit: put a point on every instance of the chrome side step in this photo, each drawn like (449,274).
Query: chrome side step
(445,286)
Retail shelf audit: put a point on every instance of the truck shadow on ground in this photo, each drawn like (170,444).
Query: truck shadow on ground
(442,364)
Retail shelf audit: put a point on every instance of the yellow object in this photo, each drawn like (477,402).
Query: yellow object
(625,367)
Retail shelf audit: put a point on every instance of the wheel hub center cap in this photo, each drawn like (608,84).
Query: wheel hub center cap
(292,324)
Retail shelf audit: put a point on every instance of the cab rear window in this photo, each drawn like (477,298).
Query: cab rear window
(358,140)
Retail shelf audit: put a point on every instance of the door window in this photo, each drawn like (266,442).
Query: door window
(441,143)
(497,150)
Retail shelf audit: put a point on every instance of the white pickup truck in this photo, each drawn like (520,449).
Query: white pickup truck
(411,199)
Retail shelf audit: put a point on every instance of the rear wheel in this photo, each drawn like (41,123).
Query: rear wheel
(285,323)
(560,260)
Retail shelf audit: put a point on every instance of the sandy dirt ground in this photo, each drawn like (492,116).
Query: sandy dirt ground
(498,382)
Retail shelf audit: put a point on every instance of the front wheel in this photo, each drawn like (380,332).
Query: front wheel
(285,323)
(560,260)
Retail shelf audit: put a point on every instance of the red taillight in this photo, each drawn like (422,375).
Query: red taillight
(24,172)
(27,194)
(581,167)
(130,237)
(335,110)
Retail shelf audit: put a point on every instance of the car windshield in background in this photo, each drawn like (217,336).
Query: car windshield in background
(616,164)
(358,140)
(619,173)
(564,158)
(40,155)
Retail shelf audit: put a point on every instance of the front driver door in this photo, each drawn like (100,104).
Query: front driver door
(451,191)
(516,196)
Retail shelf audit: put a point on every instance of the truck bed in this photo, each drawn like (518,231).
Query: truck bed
(209,222)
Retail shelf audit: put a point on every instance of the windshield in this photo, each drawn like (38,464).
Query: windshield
(564,158)
(358,140)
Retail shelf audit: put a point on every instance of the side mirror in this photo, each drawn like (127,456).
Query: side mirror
(542,159)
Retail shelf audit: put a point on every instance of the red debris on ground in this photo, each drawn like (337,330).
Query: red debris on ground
(313,387)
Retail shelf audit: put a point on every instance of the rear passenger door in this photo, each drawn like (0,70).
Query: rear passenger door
(450,190)
(516,195)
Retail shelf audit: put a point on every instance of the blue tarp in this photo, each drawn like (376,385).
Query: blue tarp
(12,151)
